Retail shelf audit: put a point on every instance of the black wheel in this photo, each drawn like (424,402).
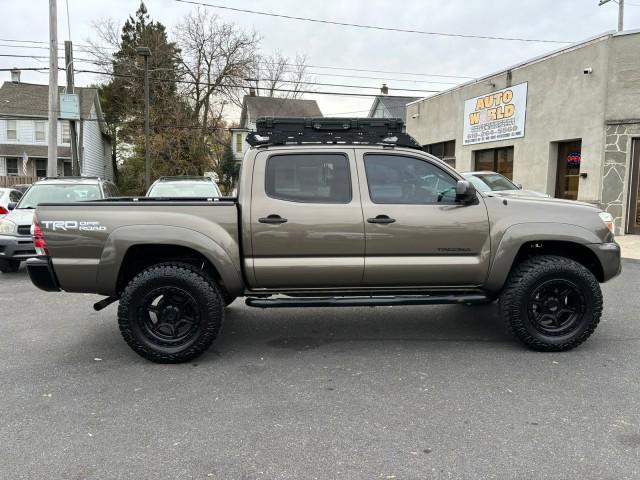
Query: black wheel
(170,313)
(9,266)
(228,299)
(552,303)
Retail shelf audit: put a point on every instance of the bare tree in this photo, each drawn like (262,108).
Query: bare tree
(277,76)
(104,43)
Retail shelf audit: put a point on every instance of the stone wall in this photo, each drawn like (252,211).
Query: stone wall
(616,161)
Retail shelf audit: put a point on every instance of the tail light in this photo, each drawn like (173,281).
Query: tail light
(38,238)
(3,211)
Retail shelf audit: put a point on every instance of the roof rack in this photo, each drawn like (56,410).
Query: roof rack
(349,131)
(72,177)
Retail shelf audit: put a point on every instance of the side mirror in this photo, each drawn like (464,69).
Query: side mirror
(12,205)
(465,192)
(519,185)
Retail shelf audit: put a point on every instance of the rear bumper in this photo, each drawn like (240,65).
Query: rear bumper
(609,256)
(42,274)
(18,247)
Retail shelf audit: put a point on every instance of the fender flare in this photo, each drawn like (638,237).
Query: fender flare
(517,235)
(221,254)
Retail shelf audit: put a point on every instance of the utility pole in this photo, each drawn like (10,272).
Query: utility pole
(145,52)
(620,12)
(52,150)
(68,62)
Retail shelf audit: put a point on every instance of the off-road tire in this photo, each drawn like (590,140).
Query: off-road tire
(520,305)
(9,266)
(203,298)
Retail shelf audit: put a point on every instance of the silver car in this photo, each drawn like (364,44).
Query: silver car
(7,196)
(486,181)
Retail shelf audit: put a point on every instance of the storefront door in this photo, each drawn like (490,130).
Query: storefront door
(633,221)
(568,172)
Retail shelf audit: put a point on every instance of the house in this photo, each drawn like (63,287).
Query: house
(254,107)
(24,134)
(390,107)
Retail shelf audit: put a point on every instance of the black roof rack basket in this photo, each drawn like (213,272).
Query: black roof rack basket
(350,131)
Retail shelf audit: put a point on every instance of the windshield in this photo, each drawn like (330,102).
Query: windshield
(184,189)
(59,193)
(486,182)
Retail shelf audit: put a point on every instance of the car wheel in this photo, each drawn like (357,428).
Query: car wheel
(552,303)
(170,313)
(9,266)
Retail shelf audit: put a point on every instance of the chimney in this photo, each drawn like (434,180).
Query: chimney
(15,75)
(384,90)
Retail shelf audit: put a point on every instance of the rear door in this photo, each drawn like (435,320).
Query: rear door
(307,228)
(416,233)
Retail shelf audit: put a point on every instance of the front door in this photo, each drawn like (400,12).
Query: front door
(306,220)
(568,171)
(633,220)
(416,233)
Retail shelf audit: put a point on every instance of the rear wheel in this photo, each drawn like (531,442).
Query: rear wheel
(9,266)
(551,303)
(170,313)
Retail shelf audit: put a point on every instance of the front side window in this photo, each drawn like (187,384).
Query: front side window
(40,136)
(12,130)
(313,178)
(12,167)
(407,180)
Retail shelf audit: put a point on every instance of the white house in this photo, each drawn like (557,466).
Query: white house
(24,134)
(254,107)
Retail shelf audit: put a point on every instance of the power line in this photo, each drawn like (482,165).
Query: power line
(334,85)
(372,27)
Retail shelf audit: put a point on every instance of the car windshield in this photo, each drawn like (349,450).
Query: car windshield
(184,189)
(59,193)
(490,182)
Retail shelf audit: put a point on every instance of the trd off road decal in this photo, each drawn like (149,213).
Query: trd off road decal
(66,225)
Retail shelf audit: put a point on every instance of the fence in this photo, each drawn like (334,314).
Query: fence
(19,180)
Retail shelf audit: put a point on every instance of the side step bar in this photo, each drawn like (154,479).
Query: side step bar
(382,301)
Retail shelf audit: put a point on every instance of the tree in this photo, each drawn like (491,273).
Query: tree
(276,72)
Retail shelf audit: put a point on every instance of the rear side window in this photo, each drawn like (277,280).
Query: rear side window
(15,196)
(311,178)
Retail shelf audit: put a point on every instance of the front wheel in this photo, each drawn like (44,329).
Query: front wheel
(170,313)
(552,303)
(9,266)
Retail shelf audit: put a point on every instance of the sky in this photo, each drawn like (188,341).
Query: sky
(343,47)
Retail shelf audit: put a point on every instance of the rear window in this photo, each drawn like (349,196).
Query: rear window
(59,193)
(184,189)
(313,178)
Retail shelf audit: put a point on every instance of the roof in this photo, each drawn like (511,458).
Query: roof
(277,107)
(396,106)
(71,180)
(30,99)
(17,150)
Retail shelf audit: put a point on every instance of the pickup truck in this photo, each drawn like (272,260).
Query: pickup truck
(330,212)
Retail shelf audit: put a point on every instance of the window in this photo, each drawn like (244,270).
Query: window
(496,160)
(12,167)
(41,167)
(316,178)
(407,180)
(15,196)
(445,151)
(40,135)
(12,130)
(239,142)
(66,135)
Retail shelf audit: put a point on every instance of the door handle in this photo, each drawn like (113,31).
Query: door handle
(273,219)
(381,219)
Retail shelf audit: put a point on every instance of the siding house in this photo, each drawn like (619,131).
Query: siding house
(254,107)
(390,107)
(24,134)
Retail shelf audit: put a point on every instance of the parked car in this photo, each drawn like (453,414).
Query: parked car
(369,221)
(16,244)
(7,196)
(184,186)
(494,182)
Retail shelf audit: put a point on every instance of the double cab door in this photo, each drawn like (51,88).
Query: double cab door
(362,218)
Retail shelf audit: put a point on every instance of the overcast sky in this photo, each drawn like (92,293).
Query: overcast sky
(348,47)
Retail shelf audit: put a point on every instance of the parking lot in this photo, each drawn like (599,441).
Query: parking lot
(411,392)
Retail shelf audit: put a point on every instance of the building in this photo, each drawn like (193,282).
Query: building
(566,123)
(390,107)
(24,134)
(255,107)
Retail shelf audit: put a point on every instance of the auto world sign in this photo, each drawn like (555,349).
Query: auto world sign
(499,115)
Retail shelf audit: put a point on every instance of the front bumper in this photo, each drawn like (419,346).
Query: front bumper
(16,247)
(609,257)
(42,274)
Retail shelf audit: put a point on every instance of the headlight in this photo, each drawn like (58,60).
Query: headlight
(607,218)
(8,228)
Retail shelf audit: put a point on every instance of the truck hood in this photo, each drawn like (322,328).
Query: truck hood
(21,216)
(522,196)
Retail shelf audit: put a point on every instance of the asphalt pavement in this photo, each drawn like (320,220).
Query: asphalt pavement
(357,393)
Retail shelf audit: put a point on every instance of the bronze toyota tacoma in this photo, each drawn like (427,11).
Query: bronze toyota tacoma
(330,212)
